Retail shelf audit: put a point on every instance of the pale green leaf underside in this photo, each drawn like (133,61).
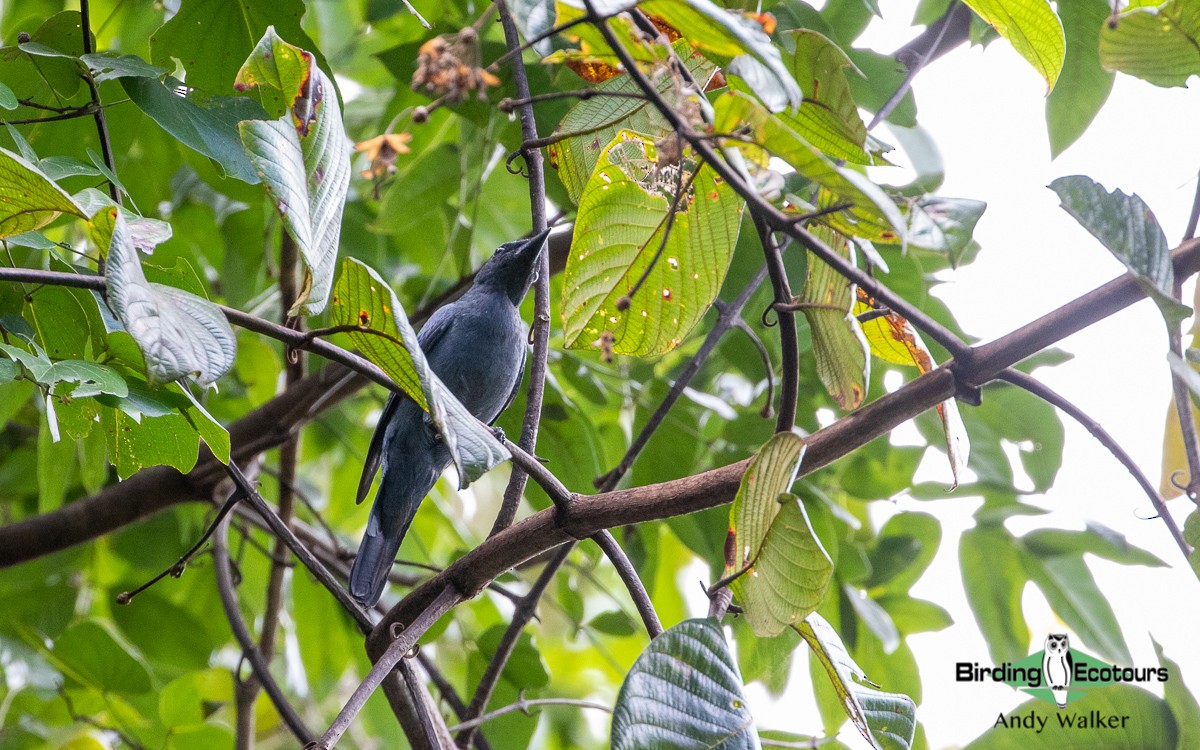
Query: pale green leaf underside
(1159,44)
(839,346)
(1033,29)
(619,229)
(362,298)
(303,158)
(770,473)
(791,575)
(887,720)
(684,692)
(178,333)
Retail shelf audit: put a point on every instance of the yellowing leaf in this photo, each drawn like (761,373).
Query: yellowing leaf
(29,200)
(893,339)
(838,343)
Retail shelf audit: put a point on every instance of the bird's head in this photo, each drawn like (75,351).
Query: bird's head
(511,267)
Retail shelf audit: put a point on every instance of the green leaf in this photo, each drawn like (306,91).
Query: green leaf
(28,199)
(90,654)
(684,691)
(995,599)
(8,100)
(1157,43)
(1127,227)
(212,37)
(1180,700)
(596,121)
(1085,86)
(303,157)
(1068,585)
(771,472)
(1032,28)
(839,346)
(168,440)
(613,622)
(363,299)
(207,126)
(618,232)
(92,379)
(1150,726)
(110,65)
(944,225)
(911,615)
(727,36)
(828,118)
(791,573)
(886,720)
(178,333)
(1098,540)
(56,459)
(871,215)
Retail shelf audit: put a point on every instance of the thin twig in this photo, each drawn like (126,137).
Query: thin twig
(524,705)
(84,112)
(1183,408)
(1194,216)
(504,649)
(789,384)
(728,314)
(404,642)
(773,217)
(259,665)
(508,105)
(1045,393)
(106,152)
(541,287)
(176,570)
(450,695)
(513,51)
(633,583)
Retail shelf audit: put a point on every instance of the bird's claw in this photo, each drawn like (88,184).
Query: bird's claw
(498,433)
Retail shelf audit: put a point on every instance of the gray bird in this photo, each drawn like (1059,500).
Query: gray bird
(476,346)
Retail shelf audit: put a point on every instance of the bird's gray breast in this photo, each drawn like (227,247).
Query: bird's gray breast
(480,355)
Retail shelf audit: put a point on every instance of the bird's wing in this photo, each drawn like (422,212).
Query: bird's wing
(375,451)
(436,327)
(433,330)
(516,385)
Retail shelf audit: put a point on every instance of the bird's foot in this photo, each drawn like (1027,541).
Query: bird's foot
(498,433)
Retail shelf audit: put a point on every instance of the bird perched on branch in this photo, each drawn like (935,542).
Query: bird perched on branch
(476,346)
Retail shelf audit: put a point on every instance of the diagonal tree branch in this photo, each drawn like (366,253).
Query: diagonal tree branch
(1050,396)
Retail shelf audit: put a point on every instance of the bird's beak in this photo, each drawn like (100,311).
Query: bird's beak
(534,245)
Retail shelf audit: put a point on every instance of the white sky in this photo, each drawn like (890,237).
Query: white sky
(985,110)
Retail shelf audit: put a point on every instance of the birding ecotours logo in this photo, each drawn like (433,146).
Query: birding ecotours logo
(1058,674)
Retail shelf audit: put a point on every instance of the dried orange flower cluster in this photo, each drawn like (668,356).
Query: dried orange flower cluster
(448,66)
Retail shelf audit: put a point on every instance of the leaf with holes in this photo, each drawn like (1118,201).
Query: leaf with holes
(364,300)
(619,238)
(29,200)
(1127,227)
(303,158)
(594,122)
(886,720)
(684,692)
(790,576)
(735,38)
(1159,43)
(1033,29)
(839,346)
(178,333)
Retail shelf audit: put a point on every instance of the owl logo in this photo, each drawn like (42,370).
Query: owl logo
(1057,666)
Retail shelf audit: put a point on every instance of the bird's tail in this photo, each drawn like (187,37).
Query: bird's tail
(386,527)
